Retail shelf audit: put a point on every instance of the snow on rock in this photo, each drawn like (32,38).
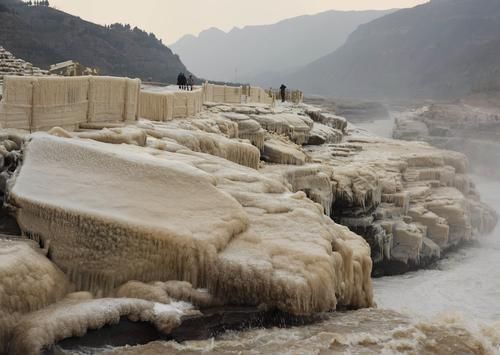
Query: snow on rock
(217,125)
(117,213)
(296,127)
(280,151)
(70,318)
(248,128)
(409,200)
(124,135)
(163,292)
(120,197)
(214,144)
(315,180)
(321,134)
(327,119)
(28,282)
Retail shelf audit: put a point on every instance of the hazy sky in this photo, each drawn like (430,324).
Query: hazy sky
(171,19)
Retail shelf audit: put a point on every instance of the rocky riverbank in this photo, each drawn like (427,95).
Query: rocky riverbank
(470,126)
(234,207)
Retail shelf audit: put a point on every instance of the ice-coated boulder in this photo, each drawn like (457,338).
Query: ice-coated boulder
(294,126)
(117,213)
(74,318)
(28,282)
(279,151)
(321,134)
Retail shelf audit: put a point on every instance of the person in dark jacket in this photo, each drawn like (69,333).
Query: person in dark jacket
(283,92)
(190,83)
(179,80)
(184,81)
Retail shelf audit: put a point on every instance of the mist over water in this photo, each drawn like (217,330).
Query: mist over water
(378,127)
(466,281)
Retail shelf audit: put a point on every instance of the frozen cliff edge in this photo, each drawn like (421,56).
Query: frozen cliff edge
(207,210)
(109,214)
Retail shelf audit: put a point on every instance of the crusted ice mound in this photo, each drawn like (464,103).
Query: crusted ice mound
(70,318)
(116,213)
(28,282)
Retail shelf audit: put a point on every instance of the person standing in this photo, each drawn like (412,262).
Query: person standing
(283,92)
(190,82)
(179,80)
(184,82)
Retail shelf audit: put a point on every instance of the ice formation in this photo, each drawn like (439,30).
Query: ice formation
(281,151)
(321,134)
(260,244)
(113,99)
(73,318)
(88,198)
(184,210)
(232,150)
(41,103)
(469,125)
(28,282)
(126,135)
(409,200)
(248,128)
(16,104)
(327,119)
(164,292)
(295,126)
(315,180)
(165,106)
(219,93)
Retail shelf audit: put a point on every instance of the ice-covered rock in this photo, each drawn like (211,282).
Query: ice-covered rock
(327,119)
(214,144)
(470,126)
(321,134)
(296,127)
(116,213)
(28,282)
(73,318)
(404,198)
(248,128)
(281,151)
(314,180)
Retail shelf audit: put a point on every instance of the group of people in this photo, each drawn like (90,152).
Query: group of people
(185,83)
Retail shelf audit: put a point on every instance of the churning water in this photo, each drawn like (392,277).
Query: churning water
(452,308)
(467,281)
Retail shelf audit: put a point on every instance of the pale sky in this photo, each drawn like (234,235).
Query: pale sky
(171,19)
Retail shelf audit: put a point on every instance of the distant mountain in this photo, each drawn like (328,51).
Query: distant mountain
(265,52)
(45,36)
(442,49)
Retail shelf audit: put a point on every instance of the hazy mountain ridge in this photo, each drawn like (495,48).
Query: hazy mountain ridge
(260,52)
(45,36)
(441,49)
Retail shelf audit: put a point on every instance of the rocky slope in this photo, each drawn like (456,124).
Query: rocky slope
(440,49)
(263,54)
(45,36)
